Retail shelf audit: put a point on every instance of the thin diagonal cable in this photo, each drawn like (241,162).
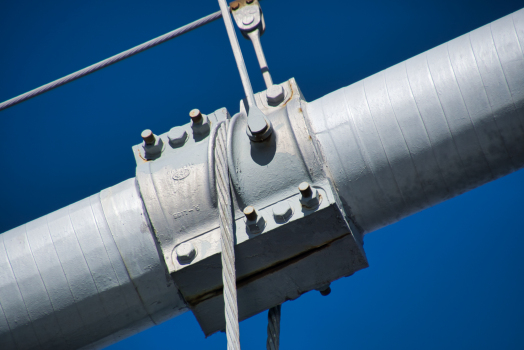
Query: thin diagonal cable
(226,230)
(111,60)
(273,328)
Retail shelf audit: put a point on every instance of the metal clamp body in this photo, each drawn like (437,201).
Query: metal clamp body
(178,193)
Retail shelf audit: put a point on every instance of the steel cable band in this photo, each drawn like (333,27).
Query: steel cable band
(109,61)
(273,328)
(227,239)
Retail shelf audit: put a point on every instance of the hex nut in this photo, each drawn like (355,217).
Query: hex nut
(177,136)
(310,198)
(275,95)
(185,252)
(282,212)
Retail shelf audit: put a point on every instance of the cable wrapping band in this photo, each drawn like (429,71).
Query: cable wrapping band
(227,238)
(109,61)
(273,328)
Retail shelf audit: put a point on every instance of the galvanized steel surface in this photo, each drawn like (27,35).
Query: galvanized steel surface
(429,128)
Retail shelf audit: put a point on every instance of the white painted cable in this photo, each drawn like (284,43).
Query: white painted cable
(111,60)
(227,239)
(273,328)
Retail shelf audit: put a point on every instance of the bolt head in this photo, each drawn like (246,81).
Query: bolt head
(248,20)
(185,252)
(275,95)
(234,5)
(177,136)
(282,212)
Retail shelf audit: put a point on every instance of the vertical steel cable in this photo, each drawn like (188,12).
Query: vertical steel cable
(226,229)
(273,328)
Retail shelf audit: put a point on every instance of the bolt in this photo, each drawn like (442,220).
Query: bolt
(282,212)
(310,198)
(254,223)
(185,252)
(195,116)
(249,1)
(234,5)
(177,136)
(325,290)
(148,136)
(305,189)
(275,95)
(250,213)
(248,20)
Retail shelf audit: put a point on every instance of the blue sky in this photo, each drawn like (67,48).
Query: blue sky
(448,277)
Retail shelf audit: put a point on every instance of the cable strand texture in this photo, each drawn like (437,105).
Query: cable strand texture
(273,328)
(111,60)
(227,243)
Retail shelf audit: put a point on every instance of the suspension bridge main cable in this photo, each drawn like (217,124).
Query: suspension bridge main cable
(111,60)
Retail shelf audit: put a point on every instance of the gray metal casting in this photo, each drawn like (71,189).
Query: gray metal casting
(404,139)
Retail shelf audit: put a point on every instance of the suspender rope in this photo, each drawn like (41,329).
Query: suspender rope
(227,239)
(273,328)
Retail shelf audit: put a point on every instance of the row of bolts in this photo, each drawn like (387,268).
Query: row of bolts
(310,199)
(150,139)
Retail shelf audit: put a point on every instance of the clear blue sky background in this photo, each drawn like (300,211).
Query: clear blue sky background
(450,277)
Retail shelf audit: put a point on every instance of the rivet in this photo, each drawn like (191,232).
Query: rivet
(148,137)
